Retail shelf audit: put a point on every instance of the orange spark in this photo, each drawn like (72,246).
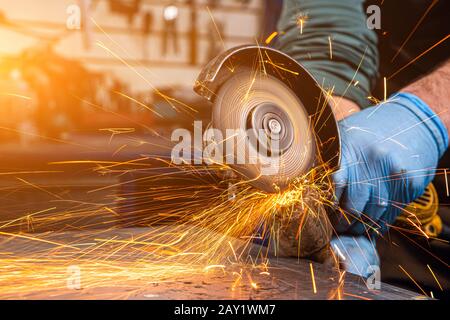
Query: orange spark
(313,279)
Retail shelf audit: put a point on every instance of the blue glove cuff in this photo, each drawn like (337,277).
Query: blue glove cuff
(358,254)
(427,115)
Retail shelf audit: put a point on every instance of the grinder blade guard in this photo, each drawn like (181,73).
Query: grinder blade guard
(258,88)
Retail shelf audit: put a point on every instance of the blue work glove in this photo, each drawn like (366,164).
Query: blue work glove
(357,254)
(389,155)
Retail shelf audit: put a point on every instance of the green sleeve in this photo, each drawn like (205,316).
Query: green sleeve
(353,44)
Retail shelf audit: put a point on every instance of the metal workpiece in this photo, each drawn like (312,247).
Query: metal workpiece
(302,235)
(71,274)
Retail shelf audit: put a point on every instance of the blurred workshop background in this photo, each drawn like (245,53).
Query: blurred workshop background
(100,80)
(56,54)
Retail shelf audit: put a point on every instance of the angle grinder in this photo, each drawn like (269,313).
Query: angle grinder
(259,88)
(255,88)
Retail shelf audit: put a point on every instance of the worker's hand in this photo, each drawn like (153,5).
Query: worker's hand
(389,155)
(358,254)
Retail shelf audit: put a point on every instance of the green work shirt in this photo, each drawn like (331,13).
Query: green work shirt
(331,39)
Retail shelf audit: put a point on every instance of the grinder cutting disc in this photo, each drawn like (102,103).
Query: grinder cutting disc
(249,103)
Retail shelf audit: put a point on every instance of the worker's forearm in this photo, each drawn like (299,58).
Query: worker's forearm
(434,91)
(342,107)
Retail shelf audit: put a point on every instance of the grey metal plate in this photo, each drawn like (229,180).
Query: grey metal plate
(36,269)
